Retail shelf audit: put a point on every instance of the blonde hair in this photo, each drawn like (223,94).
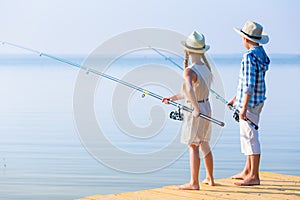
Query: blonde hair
(204,59)
(186,60)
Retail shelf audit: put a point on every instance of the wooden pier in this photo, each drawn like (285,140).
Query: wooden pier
(273,187)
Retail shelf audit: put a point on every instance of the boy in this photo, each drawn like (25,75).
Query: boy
(250,98)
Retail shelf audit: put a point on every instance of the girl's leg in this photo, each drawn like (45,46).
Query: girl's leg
(194,169)
(208,162)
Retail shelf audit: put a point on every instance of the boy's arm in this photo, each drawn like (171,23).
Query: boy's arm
(250,72)
(244,106)
(231,103)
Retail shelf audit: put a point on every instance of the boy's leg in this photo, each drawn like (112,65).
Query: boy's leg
(253,177)
(246,170)
(194,169)
(250,144)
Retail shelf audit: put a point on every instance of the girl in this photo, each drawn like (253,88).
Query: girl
(196,131)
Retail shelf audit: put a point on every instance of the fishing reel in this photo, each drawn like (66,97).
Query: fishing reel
(236,116)
(176,114)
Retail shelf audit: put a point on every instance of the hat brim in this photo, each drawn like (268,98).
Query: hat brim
(264,37)
(206,48)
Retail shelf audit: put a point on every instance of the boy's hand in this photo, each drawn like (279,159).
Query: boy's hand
(231,103)
(243,112)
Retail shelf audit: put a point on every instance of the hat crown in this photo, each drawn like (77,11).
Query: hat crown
(195,43)
(254,32)
(252,29)
(196,40)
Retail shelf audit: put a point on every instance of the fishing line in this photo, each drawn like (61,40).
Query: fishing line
(235,111)
(142,90)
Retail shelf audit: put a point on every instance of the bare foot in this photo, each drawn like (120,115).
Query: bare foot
(189,186)
(209,181)
(240,176)
(248,182)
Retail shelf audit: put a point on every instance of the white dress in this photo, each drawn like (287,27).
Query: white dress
(196,129)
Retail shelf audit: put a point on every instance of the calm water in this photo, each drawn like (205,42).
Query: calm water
(41,155)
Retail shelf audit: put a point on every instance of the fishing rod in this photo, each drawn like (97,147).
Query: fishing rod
(177,65)
(142,90)
(235,111)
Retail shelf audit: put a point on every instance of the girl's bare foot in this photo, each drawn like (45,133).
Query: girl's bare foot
(189,186)
(209,181)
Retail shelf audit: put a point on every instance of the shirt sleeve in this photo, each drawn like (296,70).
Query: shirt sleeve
(249,74)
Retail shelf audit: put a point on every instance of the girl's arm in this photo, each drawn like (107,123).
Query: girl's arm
(175,97)
(188,76)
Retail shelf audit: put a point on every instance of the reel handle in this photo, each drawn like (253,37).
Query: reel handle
(237,118)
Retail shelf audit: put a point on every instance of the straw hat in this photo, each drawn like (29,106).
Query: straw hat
(254,32)
(195,43)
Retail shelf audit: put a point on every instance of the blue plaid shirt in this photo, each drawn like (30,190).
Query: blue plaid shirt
(254,65)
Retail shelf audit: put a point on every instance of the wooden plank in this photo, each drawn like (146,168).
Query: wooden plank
(273,186)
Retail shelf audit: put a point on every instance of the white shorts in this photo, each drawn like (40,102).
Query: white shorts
(250,144)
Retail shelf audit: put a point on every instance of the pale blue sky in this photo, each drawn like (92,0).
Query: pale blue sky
(78,27)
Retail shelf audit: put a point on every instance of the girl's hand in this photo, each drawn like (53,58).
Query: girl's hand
(196,112)
(165,100)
